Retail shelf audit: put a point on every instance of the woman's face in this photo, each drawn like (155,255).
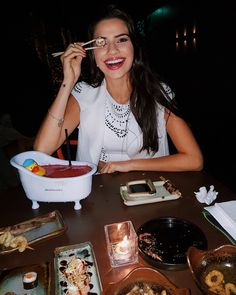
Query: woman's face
(116,57)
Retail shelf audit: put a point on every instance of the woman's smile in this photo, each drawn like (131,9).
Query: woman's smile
(114,63)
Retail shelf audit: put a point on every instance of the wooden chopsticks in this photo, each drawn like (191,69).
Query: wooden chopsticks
(55,54)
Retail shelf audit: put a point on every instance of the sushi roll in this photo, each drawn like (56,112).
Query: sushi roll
(30,280)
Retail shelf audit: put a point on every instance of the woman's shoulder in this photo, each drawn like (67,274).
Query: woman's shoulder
(82,86)
(87,94)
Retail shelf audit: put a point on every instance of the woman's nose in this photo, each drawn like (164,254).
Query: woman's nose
(112,47)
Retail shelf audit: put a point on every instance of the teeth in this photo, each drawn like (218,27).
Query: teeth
(114,61)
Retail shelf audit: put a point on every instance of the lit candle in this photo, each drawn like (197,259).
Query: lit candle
(122,249)
(121,242)
(123,246)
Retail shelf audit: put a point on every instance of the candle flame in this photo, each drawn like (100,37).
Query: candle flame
(124,243)
(123,246)
(118,226)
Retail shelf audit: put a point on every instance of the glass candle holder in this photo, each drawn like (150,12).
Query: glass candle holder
(122,243)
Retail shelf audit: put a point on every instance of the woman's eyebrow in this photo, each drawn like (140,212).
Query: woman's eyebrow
(124,34)
(116,36)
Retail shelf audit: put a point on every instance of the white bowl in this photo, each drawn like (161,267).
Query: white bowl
(46,189)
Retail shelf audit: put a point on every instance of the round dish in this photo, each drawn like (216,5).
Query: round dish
(205,264)
(144,275)
(163,242)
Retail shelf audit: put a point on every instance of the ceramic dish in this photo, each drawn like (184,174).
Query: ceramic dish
(144,276)
(36,229)
(164,191)
(213,269)
(83,251)
(163,242)
(46,189)
(11,280)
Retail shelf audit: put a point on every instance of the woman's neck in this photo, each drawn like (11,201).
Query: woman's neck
(119,89)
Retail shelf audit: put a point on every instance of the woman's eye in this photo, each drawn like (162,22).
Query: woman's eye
(122,40)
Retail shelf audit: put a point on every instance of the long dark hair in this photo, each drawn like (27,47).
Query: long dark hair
(147,88)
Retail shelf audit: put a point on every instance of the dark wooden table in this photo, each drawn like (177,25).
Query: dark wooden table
(104,206)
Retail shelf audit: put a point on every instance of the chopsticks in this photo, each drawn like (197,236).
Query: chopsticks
(55,54)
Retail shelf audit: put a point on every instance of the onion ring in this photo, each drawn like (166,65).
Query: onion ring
(214,278)
(230,289)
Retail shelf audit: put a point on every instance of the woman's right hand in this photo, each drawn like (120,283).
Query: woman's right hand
(71,60)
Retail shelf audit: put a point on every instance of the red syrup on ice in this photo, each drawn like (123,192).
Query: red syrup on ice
(60,171)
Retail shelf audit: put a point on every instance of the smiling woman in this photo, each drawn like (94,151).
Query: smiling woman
(123,111)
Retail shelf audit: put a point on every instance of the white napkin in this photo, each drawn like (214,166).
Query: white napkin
(204,196)
(224,213)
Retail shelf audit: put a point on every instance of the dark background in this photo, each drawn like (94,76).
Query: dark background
(202,74)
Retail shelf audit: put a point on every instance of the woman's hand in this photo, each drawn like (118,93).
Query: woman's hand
(111,167)
(71,60)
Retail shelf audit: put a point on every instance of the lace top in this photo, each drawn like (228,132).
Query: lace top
(115,131)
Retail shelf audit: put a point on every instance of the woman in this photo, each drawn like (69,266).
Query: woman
(123,112)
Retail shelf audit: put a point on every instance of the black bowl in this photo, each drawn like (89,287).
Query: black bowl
(163,242)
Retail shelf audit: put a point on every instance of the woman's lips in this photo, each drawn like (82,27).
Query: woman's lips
(114,63)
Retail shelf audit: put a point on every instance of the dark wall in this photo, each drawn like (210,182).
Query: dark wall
(203,77)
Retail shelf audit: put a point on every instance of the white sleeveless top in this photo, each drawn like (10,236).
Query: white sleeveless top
(108,130)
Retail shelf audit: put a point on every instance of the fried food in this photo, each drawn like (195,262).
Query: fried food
(230,289)
(21,227)
(9,240)
(19,242)
(5,239)
(219,290)
(217,285)
(214,278)
(26,226)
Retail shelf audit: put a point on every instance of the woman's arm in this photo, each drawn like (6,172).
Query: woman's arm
(64,112)
(187,158)
(51,134)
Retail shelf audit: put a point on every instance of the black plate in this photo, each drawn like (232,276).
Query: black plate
(163,242)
